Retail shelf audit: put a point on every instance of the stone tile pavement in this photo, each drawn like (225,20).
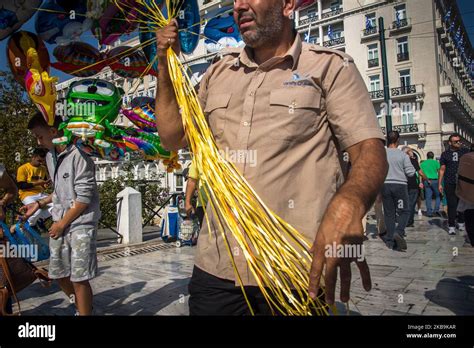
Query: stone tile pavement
(435,276)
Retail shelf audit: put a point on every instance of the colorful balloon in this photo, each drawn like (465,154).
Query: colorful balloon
(41,87)
(13,14)
(17,48)
(59,22)
(142,113)
(148,143)
(147,38)
(222,31)
(83,60)
(78,59)
(129,62)
(189,19)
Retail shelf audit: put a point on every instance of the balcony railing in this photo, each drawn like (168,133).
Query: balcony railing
(332,13)
(334,42)
(404,128)
(376,94)
(400,91)
(372,63)
(404,90)
(401,24)
(403,56)
(311,18)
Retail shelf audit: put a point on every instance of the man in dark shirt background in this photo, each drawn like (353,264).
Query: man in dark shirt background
(413,185)
(449,169)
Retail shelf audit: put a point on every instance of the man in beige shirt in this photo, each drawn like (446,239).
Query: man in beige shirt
(298,107)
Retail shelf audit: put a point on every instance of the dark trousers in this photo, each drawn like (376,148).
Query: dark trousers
(469,218)
(395,197)
(210,295)
(200,215)
(9,306)
(412,198)
(450,192)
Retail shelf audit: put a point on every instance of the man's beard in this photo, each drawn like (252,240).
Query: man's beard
(268,29)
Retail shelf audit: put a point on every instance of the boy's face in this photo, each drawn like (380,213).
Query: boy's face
(37,161)
(45,136)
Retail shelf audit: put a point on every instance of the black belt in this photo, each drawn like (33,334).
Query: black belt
(463,178)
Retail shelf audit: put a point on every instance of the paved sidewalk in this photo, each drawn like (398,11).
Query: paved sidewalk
(435,276)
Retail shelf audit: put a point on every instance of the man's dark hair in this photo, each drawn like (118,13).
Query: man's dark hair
(430,155)
(454,135)
(38,121)
(39,152)
(392,137)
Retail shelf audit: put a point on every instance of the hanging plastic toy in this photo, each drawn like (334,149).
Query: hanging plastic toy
(41,87)
(92,106)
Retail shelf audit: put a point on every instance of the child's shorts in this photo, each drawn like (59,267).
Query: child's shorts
(74,255)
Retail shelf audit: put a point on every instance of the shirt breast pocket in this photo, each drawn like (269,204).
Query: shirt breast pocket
(294,113)
(215,112)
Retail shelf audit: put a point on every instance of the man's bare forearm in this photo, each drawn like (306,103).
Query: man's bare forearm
(441,174)
(190,188)
(368,171)
(168,120)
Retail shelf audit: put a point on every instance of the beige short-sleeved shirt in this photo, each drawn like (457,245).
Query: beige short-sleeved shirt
(292,117)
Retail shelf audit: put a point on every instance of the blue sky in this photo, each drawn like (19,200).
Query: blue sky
(466,7)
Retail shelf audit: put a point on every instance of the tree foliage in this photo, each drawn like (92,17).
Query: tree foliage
(16,142)
(153,195)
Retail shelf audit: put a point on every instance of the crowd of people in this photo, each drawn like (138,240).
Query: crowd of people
(437,180)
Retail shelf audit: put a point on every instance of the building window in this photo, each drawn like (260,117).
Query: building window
(407,113)
(313,39)
(400,12)
(335,5)
(402,49)
(370,25)
(370,20)
(373,55)
(405,81)
(374,83)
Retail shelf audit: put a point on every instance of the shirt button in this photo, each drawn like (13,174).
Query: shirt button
(246,124)
(252,94)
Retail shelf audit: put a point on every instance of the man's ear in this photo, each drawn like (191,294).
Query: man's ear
(289,8)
